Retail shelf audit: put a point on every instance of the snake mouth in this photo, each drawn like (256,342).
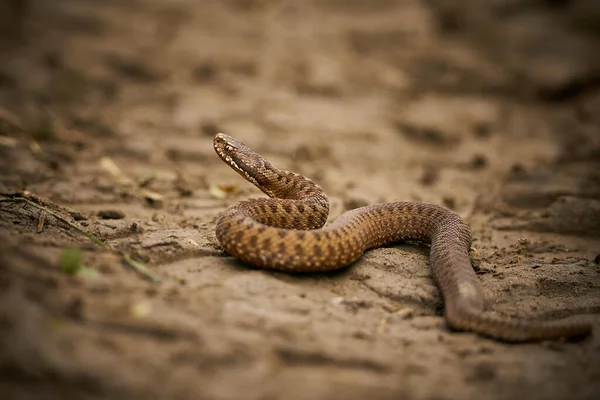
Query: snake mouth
(235,154)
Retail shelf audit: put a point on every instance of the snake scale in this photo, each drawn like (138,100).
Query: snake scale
(285,232)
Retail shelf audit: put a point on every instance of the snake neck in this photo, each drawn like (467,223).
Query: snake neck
(305,214)
(282,184)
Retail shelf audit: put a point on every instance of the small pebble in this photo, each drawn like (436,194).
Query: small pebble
(449,202)
(111,214)
(209,128)
(352,203)
(482,131)
(204,73)
(77,216)
(429,176)
(479,161)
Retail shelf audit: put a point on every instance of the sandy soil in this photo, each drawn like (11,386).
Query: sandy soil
(107,114)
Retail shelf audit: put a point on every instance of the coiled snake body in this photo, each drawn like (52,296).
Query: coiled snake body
(286,233)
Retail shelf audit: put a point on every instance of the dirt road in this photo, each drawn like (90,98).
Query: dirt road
(107,114)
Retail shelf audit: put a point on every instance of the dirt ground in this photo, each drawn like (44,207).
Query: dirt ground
(107,114)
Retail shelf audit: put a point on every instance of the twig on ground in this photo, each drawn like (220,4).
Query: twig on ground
(141,269)
(41,221)
(43,205)
(18,198)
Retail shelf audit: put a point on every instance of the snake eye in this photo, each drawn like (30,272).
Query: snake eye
(229,147)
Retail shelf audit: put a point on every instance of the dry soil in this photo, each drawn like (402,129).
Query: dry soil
(107,114)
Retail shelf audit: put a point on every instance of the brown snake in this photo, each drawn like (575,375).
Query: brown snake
(286,233)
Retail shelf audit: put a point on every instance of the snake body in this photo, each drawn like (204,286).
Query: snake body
(285,232)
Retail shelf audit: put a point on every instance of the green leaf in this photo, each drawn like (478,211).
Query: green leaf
(70,261)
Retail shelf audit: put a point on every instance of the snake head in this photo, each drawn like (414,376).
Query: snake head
(244,161)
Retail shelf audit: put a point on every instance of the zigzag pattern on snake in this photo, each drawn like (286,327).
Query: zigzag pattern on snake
(285,232)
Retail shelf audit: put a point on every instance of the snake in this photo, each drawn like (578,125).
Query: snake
(287,232)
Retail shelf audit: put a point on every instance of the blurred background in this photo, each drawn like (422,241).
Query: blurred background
(107,114)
